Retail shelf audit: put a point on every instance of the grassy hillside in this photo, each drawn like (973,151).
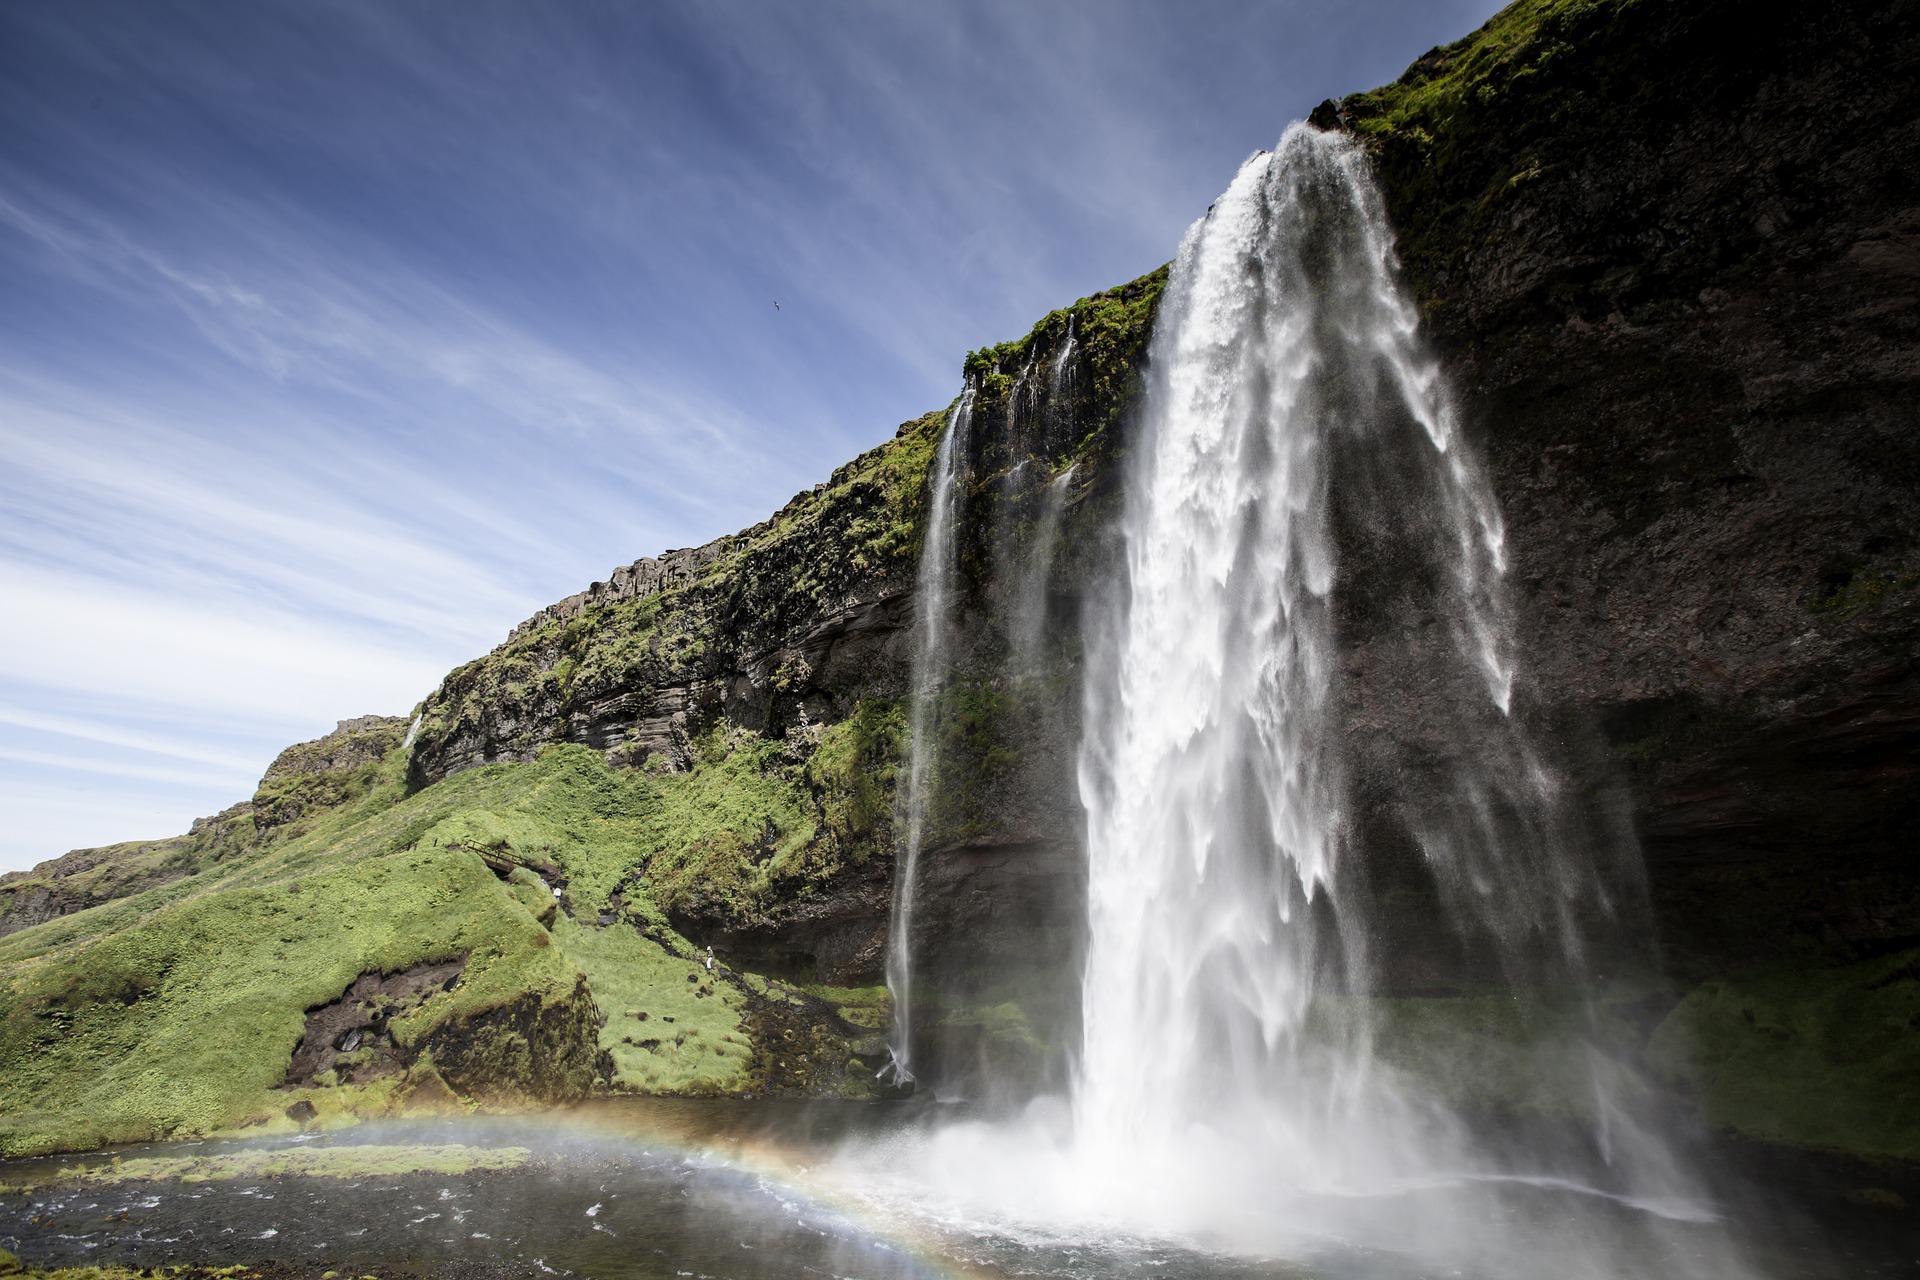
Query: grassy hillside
(178,1009)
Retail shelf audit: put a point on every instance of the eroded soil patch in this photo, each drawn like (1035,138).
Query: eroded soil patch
(350,1036)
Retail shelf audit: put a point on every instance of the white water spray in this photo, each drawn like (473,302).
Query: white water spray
(1230,922)
(1217,911)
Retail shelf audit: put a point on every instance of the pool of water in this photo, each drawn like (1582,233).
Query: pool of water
(729,1190)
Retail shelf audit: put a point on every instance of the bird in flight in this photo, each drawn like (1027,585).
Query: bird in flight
(776,306)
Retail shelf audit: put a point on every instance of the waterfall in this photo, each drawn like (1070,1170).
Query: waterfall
(1061,379)
(933,639)
(1230,920)
(1028,624)
(1216,902)
(1278,753)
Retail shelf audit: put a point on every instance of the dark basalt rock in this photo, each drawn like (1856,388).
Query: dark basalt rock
(1676,280)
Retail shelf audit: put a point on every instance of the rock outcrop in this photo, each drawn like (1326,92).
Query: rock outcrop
(305,780)
(88,877)
(324,773)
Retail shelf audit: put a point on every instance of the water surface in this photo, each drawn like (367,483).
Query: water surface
(732,1190)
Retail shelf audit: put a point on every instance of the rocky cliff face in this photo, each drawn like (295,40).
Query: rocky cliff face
(1671,256)
(795,637)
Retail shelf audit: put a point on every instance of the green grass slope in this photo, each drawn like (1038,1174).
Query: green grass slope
(177,1010)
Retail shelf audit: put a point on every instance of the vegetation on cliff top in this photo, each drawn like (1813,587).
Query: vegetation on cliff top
(1471,122)
(830,546)
(1110,333)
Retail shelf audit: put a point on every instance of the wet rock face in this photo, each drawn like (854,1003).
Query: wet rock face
(1686,334)
(838,937)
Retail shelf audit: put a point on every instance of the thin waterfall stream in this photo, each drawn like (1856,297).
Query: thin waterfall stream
(939,569)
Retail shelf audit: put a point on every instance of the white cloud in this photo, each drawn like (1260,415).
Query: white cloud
(111,734)
(69,632)
(227,781)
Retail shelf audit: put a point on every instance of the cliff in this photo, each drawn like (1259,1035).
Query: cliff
(1670,256)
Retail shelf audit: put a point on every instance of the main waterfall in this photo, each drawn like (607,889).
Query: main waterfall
(1224,908)
(1241,1080)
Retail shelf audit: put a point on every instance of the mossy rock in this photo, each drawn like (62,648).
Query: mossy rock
(1826,1059)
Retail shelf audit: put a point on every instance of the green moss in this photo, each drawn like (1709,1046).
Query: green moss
(671,1025)
(1005,1027)
(187,1019)
(89,876)
(1476,121)
(869,1008)
(1858,591)
(450,1160)
(1110,331)
(337,770)
(1820,1058)
(1488,1055)
(977,730)
(853,772)
(761,586)
(729,834)
(867,515)
(177,1010)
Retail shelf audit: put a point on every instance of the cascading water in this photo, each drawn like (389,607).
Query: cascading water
(1230,919)
(1028,617)
(1208,772)
(1027,627)
(933,637)
(1061,378)
(1223,909)
(1234,1083)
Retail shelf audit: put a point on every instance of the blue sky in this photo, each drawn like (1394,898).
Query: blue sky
(337,338)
